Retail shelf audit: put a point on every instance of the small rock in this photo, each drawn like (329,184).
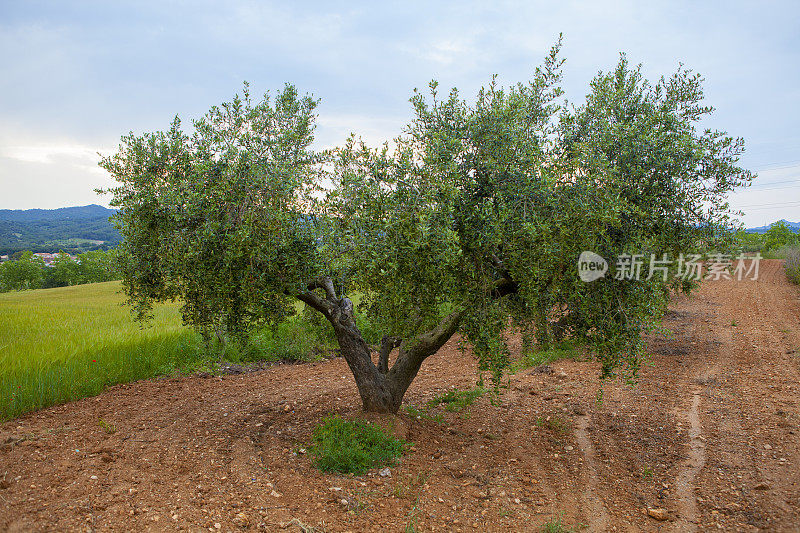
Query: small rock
(385,472)
(561,375)
(767,447)
(275,494)
(92,477)
(217,526)
(657,513)
(762,486)
(569,448)
(578,410)
(241,520)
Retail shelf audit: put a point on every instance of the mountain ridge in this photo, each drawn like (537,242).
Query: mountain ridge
(71,229)
(794,226)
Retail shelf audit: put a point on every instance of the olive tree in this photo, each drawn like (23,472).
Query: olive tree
(472,222)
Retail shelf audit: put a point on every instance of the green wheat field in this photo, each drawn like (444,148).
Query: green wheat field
(61,344)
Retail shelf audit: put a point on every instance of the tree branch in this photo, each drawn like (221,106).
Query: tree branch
(325,283)
(388,343)
(313,300)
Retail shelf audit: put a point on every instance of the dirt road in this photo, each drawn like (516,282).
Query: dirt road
(709,440)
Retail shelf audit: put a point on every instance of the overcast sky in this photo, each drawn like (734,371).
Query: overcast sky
(75,76)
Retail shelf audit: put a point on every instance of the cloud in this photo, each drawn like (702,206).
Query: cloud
(51,153)
(774,195)
(78,75)
(334,129)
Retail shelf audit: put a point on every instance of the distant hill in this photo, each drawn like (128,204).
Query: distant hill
(795,226)
(72,229)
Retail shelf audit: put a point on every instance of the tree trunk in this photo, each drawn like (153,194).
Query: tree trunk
(376,391)
(381,389)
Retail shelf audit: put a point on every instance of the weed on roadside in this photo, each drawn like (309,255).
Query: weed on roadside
(410,487)
(557,526)
(554,423)
(457,400)
(562,350)
(108,428)
(424,414)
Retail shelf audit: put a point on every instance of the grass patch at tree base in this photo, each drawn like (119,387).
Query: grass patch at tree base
(353,446)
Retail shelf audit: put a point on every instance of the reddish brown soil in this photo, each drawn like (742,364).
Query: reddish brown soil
(710,435)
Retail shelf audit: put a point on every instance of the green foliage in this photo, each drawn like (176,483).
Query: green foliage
(347,446)
(556,526)
(779,234)
(223,218)
(476,219)
(554,423)
(748,242)
(29,272)
(25,273)
(107,427)
(63,271)
(424,414)
(500,197)
(296,338)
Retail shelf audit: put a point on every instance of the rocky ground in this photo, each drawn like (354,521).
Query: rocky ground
(708,440)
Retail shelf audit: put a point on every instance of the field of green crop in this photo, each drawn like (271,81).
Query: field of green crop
(66,343)
(62,344)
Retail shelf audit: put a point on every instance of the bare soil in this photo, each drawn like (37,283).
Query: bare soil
(708,440)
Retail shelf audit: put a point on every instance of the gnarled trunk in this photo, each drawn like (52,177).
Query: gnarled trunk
(381,389)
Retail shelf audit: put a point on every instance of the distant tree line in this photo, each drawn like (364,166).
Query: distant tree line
(770,243)
(28,271)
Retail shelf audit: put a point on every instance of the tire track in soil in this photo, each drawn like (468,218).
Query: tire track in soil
(684,485)
(597,515)
(528,453)
(688,476)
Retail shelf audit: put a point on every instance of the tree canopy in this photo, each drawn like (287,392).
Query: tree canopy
(779,234)
(472,221)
